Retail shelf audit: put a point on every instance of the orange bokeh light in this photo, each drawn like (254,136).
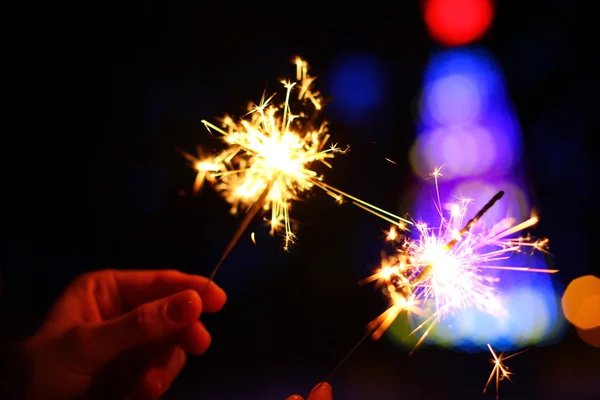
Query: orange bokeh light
(581,305)
(590,336)
(457,22)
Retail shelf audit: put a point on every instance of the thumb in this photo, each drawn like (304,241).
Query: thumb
(148,323)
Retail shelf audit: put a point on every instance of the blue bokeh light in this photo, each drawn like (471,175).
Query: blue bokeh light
(462,76)
(357,86)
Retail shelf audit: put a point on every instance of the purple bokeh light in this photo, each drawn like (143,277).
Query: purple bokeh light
(467,123)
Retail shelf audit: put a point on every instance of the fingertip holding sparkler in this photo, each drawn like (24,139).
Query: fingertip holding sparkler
(321,391)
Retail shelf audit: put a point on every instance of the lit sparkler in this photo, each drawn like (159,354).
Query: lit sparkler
(443,269)
(500,371)
(270,158)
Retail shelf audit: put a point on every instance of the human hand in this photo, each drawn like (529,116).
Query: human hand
(321,391)
(120,334)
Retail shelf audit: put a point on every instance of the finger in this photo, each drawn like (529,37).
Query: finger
(321,391)
(159,375)
(194,339)
(295,397)
(139,287)
(157,321)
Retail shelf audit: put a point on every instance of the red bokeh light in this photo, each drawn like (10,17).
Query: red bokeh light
(458,22)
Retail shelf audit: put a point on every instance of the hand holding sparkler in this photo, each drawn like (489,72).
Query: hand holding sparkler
(115,334)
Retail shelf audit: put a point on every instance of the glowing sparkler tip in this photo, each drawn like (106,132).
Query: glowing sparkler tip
(442,269)
(271,150)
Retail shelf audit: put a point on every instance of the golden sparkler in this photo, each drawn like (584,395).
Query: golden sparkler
(270,158)
(500,371)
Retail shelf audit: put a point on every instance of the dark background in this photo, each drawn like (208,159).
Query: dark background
(105,95)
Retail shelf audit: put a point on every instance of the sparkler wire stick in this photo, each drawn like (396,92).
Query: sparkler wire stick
(239,232)
(421,276)
(343,360)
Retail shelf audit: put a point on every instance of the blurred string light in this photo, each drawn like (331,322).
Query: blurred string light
(468,125)
(457,22)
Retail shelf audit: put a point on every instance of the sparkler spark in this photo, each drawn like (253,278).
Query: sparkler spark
(274,149)
(443,269)
(270,156)
(270,150)
(500,371)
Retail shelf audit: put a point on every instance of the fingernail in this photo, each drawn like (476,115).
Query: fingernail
(324,389)
(295,397)
(181,309)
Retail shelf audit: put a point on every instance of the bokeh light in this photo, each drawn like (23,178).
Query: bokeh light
(468,126)
(581,302)
(466,121)
(475,63)
(454,99)
(458,22)
(357,86)
(463,150)
(590,336)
